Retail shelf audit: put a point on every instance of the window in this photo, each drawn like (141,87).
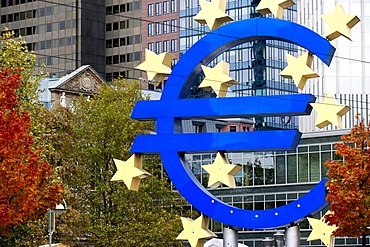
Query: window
(232,128)
(137,39)
(130,57)
(130,6)
(173,6)
(116,42)
(166,44)
(150,29)
(130,40)
(62,25)
(122,58)
(122,41)
(108,27)
(198,128)
(150,10)
(115,9)
(109,10)
(166,27)
(173,26)
(122,8)
(122,25)
(174,61)
(116,59)
(137,56)
(173,45)
(158,47)
(108,60)
(158,28)
(158,8)
(165,7)
(151,46)
(115,25)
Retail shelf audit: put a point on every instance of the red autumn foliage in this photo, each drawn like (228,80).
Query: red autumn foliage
(349,184)
(26,188)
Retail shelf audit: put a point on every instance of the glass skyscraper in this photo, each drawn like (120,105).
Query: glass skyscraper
(255,65)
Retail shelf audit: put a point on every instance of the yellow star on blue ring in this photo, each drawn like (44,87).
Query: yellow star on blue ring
(212,13)
(339,23)
(299,69)
(329,112)
(221,172)
(276,7)
(130,172)
(217,78)
(196,231)
(322,231)
(156,66)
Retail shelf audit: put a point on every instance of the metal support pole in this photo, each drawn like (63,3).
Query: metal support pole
(279,239)
(51,225)
(230,237)
(292,236)
(268,242)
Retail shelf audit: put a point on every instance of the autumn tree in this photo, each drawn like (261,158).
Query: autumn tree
(15,56)
(27,189)
(349,184)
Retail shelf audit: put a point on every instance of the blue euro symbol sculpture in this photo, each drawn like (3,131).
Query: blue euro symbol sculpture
(171,144)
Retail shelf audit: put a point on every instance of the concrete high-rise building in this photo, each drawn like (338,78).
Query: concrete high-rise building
(122,38)
(64,35)
(348,77)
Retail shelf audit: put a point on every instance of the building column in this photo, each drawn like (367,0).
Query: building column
(292,236)
(230,237)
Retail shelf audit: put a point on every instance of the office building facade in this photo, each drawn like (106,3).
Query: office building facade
(348,77)
(64,35)
(272,179)
(108,35)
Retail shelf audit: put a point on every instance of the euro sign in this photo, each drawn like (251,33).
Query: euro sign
(174,105)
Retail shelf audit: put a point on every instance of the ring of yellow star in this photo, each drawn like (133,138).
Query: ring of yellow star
(156,66)
(339,23)
(217,78)
(221,172)
(276,7)
(196,231)
(212,13)
(130,172)
(299,69)
(329,112)
(322,231)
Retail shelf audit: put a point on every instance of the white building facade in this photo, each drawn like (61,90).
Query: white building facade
(348,77)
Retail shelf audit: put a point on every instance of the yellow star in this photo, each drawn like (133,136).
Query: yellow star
(195,231)
(217,79)
(221,172)
(275,7)
(156,66)
(329,111)
(322,231)
(299,69)
(130,172)
(339,23)
(212,13)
